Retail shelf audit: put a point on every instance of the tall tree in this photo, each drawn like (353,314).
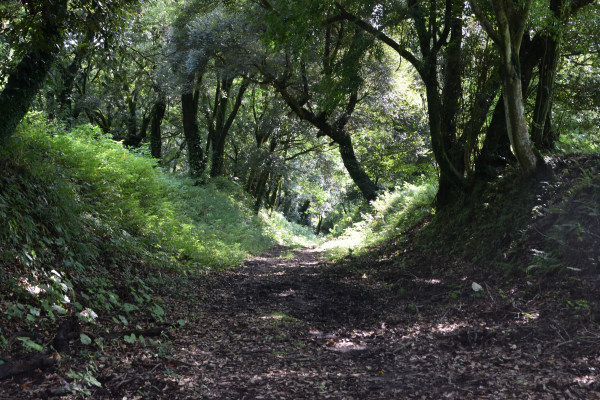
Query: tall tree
(507,33)
(551,37)
(27,77)
(437,27)
(37,31)
(213,45)
(319,70)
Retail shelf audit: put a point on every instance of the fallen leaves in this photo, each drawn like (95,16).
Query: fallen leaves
(334,336)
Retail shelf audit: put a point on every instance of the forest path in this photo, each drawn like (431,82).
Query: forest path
(287,325)
(283,326)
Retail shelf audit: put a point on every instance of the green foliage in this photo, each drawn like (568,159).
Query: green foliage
(139,209)
(580,139)
(29,345)
(83,380)
(286,232)
(393,213)
(79,213)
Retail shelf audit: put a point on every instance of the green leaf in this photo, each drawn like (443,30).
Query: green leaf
(130,338)
(85,339)
(91,379)
(29,344)
(59,309)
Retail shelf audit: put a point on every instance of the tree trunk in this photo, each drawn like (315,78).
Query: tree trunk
(133,139)
(515,121)
(496,153)
(511,18)
(27,78)
(222,123)
(218,156)
(158,113)
(451,180)
(543,100)
(336,131)
(318,230)
(274,194)
(189,109)
(367,187)
(260,190)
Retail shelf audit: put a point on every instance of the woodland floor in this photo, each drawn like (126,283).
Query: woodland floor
(291,326)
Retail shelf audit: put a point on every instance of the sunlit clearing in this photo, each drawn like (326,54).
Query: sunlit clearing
(351,240)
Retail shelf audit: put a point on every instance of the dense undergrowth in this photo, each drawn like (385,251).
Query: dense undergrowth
(393,213)
(88,227)
(512,226)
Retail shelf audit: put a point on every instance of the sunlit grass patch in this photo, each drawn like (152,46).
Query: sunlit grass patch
(391,214)
(94,184)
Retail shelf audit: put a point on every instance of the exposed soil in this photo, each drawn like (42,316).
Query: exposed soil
(290,326)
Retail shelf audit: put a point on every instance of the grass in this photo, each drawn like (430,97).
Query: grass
(95,186)
(81,215)
(393,213)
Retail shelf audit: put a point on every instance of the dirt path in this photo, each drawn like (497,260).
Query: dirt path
(289,326)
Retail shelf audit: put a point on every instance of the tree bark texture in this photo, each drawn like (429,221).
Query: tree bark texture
(27,78)
(220,123)
(516,124)
(367,187)
(511,25)
(189,108)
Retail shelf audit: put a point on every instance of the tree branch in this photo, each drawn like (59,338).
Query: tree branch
(381,36)
(485,23)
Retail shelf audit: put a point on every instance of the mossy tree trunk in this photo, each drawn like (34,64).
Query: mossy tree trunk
(28,76)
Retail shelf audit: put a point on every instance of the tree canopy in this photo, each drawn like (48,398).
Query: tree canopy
(403,91)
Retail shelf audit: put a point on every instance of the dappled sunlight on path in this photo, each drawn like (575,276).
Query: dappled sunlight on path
(288,325)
